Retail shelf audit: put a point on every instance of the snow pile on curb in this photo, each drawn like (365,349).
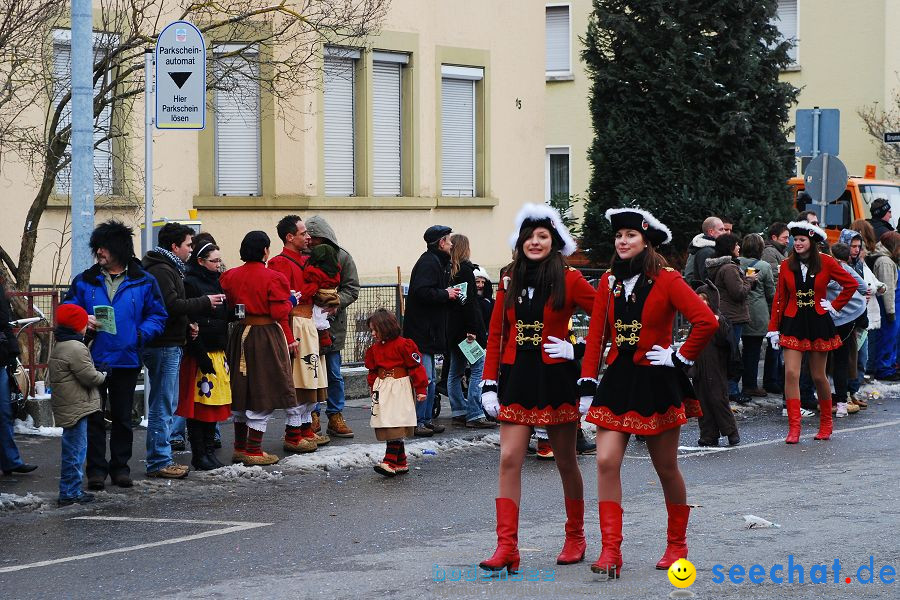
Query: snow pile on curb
(240,472)
(365,455)
(27,427)
(29,501)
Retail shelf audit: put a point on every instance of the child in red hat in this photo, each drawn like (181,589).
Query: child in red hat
(74,396)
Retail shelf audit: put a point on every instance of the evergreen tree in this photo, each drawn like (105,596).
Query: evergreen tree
(689,115)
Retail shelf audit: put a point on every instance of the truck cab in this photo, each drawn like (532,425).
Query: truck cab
(853,204)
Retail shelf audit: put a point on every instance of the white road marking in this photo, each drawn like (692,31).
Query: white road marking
(232,527)
(689,451)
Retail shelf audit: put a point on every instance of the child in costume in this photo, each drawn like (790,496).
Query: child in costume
(397,381)
(323,270)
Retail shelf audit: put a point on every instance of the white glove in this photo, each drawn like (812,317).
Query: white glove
(661,357)
(490,403)
(773,337)
(557,348)
(584,404)
(826,304)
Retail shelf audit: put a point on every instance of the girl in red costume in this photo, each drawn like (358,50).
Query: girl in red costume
(537,373)
(644,389)
(397,381)
(801,321)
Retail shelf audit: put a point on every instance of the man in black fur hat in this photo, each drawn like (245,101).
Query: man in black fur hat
(126,311)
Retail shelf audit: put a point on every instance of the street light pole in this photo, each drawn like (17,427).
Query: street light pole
(82,138)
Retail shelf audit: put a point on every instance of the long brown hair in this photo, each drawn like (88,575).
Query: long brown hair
(814,262)
(551,272)
(652,263)
(867,232)
(459,252)
(385,323)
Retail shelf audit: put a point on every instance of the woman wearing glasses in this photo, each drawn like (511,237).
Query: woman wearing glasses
(204,391)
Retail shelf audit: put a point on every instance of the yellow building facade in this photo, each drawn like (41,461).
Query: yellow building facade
(846,56)
(440,118)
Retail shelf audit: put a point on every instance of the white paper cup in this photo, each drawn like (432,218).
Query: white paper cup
(39,388)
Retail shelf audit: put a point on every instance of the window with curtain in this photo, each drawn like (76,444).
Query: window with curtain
(557,173)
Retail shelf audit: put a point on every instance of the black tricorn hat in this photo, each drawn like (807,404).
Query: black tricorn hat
(640,220)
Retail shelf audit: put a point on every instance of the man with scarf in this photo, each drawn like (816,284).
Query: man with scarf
(162,356)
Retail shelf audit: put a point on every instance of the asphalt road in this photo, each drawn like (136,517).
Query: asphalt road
(298,531)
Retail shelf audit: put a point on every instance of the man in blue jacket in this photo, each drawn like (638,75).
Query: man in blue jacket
(126,311)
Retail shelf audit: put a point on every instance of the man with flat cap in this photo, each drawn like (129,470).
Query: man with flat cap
(425,320)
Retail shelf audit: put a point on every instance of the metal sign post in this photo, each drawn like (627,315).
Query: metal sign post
(148,183)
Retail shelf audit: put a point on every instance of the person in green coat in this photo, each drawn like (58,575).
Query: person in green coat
(74,396)
(759,301)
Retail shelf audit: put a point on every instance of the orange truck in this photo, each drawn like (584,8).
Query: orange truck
(861,192)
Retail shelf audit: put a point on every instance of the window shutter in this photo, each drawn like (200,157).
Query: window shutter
(557,34)
(237,127)
(457,137)
(386,128)
(103,167)
(339,117)
(787,24)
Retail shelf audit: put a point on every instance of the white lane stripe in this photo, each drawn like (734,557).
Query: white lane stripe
(698,451)
(234,528)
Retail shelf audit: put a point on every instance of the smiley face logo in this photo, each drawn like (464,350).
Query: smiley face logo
(682,573)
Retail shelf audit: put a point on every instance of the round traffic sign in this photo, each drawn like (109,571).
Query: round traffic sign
(834,181)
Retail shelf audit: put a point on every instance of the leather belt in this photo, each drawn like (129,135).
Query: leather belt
(396,372)
(302,310)
(257,320)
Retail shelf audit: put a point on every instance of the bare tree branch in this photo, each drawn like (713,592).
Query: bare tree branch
(289,36)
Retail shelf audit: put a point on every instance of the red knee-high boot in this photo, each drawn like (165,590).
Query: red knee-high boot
(793,409)
(826,423)
(575,545)
(676,546)
(506,556)
(610,560)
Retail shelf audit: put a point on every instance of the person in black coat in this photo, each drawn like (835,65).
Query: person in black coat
(425,320)
(485,294)
(9,351)
(465,324)
(204,390)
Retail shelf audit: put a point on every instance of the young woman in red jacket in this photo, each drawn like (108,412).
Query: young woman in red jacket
(801,321)
(644,389)
(528,355)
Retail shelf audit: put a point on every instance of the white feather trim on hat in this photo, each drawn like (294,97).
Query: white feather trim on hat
(808,227)
(651,220)
(539,212)
(479,272)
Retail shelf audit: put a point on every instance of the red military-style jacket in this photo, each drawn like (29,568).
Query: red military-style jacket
(262,291)
(785,303)
(670,293)
(398,352)
(291,265)
(556,323)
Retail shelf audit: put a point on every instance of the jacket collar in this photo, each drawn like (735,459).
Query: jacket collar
(133,271)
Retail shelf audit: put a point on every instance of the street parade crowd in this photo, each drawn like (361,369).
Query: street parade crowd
(267,335)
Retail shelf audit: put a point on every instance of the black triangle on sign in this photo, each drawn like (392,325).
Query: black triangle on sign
(180,77)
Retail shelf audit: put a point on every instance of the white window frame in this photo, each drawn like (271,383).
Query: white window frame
(795,60)
(99,39)
(473,74)
(244,48)
(354,55)
(566,74)
(401,59)
(550,150)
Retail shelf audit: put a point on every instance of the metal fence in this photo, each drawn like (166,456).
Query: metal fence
(37,340)
(371,297)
